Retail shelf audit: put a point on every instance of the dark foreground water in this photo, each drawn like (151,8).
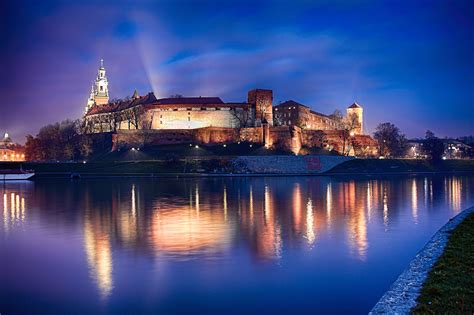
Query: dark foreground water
(289,245)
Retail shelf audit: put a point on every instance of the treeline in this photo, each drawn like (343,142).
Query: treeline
(64,141)
(393,143)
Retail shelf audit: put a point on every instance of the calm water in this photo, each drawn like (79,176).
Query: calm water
(290,245)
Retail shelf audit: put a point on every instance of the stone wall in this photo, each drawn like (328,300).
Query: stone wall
(254,134)
(216,135)
(209,135)
(194,117)
(287,164)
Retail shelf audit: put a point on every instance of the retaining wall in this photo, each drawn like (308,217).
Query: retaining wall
(287,164)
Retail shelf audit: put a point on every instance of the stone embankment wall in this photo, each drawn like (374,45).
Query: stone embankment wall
(287,164)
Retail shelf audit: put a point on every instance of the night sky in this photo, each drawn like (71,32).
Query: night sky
(407,62)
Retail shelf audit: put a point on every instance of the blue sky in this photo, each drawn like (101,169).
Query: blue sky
(407,62)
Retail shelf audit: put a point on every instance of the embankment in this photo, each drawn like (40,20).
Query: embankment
(244,165)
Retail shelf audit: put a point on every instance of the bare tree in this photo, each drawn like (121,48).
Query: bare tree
(242,115)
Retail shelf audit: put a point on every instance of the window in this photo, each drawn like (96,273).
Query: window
(101,88)
(189,118)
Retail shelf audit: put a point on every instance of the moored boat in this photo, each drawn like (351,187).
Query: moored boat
(15,175)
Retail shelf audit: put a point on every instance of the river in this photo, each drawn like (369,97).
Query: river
(256,245)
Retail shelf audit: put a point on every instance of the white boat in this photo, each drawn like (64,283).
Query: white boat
(15,175)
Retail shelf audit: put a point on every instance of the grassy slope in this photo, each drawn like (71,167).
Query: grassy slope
(402,166)
(449,288)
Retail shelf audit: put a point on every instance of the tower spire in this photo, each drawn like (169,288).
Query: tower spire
(102,63)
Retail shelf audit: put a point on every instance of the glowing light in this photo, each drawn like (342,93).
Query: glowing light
(310,235)
(99,258)
(225,203)
(297,209)
(414,201)
(329,202)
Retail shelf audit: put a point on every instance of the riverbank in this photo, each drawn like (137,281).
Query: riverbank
(404,294)
(401,166)
(244,166)
(450,284)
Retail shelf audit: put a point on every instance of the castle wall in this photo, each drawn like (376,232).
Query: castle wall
(194,117)
(286,138)
(216,135)
(312,138)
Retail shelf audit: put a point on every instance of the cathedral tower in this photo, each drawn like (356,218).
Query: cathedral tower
(101,86)
(100,89)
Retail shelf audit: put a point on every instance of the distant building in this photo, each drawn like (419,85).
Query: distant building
(453,149)
(10,151)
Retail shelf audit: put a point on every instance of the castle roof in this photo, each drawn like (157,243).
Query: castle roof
(151,100)
(291,103)
(189,100)
(355,105)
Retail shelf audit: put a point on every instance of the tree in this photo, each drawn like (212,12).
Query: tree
(58,141)
(346,127)
(242,115)
(391,141)
(337,116)
(433,147)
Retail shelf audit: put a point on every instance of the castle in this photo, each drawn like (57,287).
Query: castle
(209,120)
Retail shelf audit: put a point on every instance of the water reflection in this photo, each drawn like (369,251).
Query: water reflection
(195,220)
(13,210)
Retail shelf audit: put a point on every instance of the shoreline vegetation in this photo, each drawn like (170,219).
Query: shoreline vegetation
(449,287)
(222,166)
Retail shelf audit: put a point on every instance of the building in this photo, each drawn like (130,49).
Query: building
(99,90)
(356,111)
(453,149)
(291,113)
(211,120)
(10,151)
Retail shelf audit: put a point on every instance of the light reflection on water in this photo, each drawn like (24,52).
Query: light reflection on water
(313,227)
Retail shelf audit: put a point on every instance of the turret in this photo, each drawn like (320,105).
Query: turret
(357,111)
(262,100)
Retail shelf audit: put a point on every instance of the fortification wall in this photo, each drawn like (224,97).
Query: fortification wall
(254,134)
(216,135)
(312,138)
(182,118)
